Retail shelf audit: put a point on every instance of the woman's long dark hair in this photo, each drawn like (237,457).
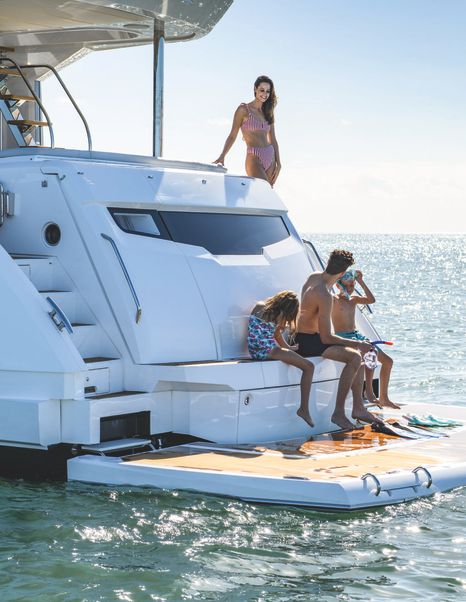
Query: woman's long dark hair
(270,103)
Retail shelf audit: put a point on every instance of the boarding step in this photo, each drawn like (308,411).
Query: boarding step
(118,445)
(90,340)
(25,125)
(45,273)
(69,302)
(4,71)
(17,99)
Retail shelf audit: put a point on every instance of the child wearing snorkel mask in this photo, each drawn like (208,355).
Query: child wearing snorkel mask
(344,323)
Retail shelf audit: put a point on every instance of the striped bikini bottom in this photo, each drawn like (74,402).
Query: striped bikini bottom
(266,154)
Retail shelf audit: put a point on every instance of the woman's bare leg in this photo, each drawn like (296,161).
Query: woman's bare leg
(270,173)
(288,356)
(254,167)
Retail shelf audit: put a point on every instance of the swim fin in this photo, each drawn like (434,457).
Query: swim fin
(389,429)
(443,421)
(414,420)
(421,431)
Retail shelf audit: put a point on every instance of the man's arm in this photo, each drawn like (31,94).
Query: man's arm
(326,333)
(369,298)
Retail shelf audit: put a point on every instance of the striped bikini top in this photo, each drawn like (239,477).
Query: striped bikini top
(252,124)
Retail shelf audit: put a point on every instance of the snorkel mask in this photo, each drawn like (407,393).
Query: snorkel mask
(348,276)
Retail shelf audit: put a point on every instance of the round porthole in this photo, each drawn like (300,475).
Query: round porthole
(52,234)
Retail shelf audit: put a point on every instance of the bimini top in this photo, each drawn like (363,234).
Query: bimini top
(61,32)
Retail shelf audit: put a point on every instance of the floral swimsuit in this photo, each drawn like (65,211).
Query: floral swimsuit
(261,339)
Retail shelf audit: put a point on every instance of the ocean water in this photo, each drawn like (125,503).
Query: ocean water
(73,542)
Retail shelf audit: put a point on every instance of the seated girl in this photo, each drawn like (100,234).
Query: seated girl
(265,340)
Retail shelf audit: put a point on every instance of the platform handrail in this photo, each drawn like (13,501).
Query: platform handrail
(68,93)
(127,276)
(378,487)
(34,95)
(59,317)
(429,481)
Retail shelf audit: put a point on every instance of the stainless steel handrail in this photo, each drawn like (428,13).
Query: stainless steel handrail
(36,98)
(125,272)
(428,483)
(59,317)
(6,204)
(378,487)
(68,93)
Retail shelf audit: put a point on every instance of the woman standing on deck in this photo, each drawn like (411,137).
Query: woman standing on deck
(256,121)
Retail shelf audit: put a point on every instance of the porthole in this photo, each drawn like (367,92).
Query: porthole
(52,234)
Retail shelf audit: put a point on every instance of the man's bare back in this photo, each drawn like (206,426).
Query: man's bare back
(313,294)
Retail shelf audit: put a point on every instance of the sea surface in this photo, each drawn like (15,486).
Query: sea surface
(72,542)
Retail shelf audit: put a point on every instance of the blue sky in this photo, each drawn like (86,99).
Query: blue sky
(371,117)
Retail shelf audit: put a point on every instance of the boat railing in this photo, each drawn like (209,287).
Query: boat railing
(68,93)
(127,276)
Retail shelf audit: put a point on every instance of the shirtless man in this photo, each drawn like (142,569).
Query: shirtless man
(344,323)
(315,337)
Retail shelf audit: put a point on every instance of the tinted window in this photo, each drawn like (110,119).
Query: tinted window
(139,221)
(219,233)
(225,233)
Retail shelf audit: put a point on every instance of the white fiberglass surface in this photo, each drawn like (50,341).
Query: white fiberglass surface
(231,285)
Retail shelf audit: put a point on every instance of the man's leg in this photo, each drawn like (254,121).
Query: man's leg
(352,359)
(359,409)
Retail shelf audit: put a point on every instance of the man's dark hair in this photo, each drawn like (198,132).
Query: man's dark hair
(339,261)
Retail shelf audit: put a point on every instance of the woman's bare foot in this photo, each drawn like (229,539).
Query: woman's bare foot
(342,421)
(305,416)
(387,403)
(365,416)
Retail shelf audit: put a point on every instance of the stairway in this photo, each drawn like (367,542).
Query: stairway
(13,101)
(104,374)
(23,130)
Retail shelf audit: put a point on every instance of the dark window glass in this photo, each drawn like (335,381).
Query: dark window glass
(218,233)
(225,233)
(139,221)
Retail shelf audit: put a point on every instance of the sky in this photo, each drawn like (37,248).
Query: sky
(370,120)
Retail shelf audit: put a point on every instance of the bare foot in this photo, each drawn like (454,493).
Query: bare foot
(365,416)
(387,403)
(342,421)
(305,416)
